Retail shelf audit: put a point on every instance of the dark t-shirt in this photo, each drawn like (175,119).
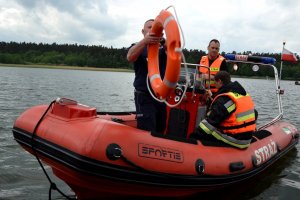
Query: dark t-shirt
(141,69)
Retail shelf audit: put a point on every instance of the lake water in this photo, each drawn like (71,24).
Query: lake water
(21,176)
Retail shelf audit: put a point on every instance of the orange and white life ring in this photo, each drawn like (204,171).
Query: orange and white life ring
(162,88)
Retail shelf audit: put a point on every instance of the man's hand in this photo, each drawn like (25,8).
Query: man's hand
(150,38)
(209,93)
(136,50)
(206,76)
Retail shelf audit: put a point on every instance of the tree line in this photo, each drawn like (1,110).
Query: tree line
(109,57)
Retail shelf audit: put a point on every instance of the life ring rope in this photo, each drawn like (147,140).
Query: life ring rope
(184,91)
(162,88)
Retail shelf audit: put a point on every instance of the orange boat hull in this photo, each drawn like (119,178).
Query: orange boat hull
(105,155)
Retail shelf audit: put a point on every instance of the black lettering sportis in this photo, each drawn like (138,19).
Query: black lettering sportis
(161,153)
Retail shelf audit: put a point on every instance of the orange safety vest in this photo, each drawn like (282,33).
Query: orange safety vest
(243,118)
(214,69)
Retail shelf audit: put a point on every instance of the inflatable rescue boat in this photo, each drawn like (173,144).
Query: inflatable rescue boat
(105,155)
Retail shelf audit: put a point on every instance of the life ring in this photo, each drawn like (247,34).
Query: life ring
(162,88)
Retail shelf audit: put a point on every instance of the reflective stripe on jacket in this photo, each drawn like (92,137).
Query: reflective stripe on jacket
(211,130)
(214,69)
(241,120)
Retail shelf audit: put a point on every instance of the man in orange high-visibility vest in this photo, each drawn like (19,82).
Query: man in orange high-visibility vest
(215,62)
(231,117)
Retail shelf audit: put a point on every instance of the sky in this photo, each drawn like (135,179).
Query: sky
(259,26)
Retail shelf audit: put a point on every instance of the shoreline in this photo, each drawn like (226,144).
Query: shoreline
(65,67)
(106,69)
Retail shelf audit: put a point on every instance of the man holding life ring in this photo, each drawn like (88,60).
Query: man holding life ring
(151,114)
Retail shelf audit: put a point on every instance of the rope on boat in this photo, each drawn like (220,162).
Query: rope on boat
(52,184)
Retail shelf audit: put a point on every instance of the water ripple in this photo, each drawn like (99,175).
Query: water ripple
(291,183)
